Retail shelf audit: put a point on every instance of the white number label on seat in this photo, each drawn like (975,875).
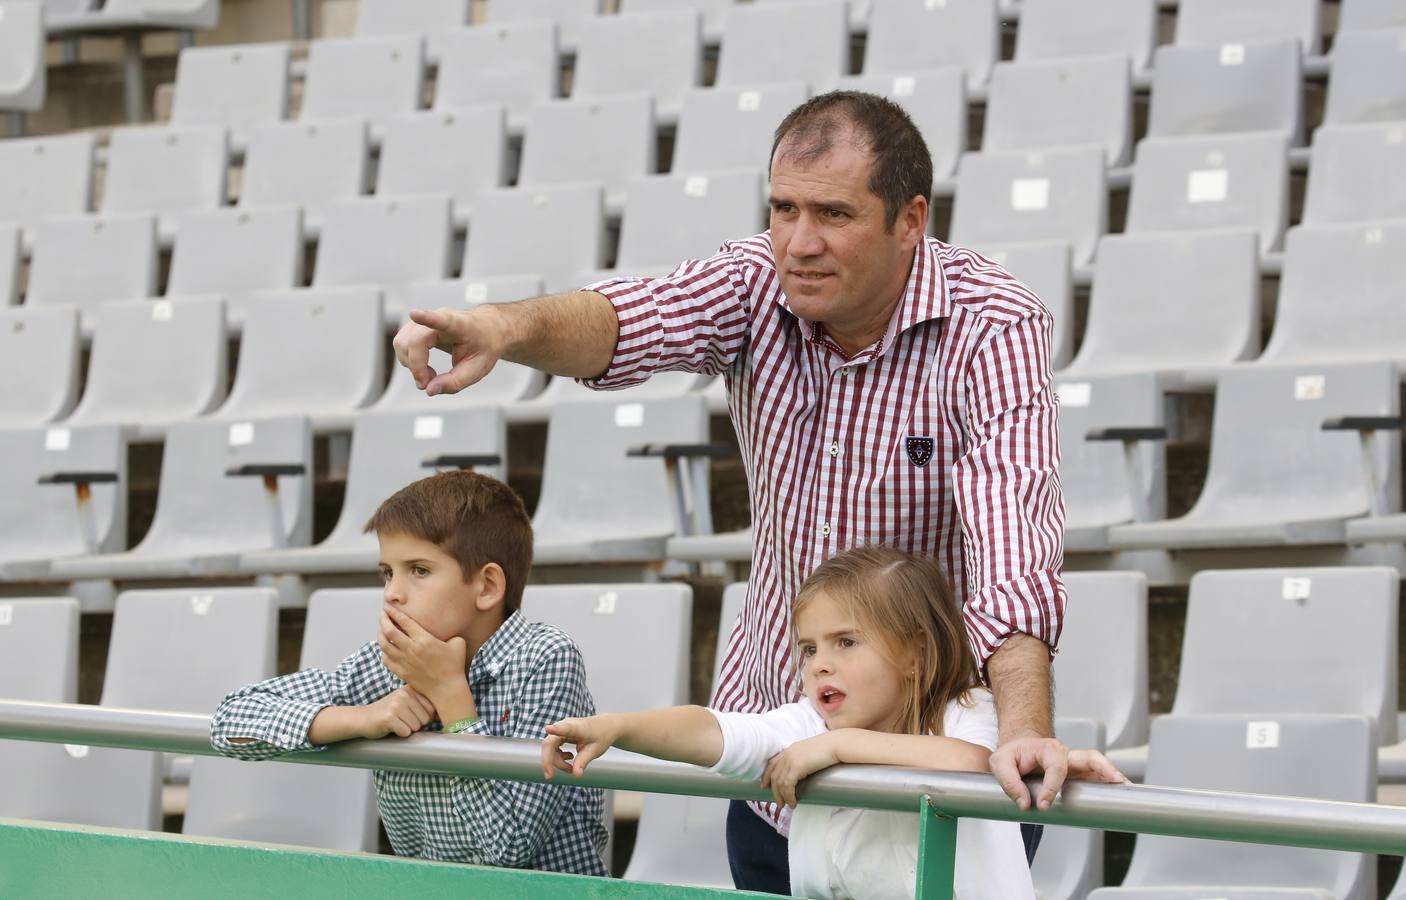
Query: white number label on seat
(200,604)
(1074,393)
(7,614)
(629,415)
(605,604)
(56,440)
(1262,735)
(1207,186)
(1309,387)
(1030,194)
(429,428)
(241,434)
(1297,588)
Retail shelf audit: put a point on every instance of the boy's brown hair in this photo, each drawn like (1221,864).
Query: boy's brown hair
(475,519)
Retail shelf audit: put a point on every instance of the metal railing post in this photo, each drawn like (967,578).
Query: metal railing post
(937,852)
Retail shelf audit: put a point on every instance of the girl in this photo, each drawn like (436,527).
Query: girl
(889,678)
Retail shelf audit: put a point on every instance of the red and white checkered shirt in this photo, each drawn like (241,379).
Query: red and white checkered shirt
(940,439)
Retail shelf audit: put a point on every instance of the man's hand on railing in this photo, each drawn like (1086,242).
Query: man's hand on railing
(1022,756)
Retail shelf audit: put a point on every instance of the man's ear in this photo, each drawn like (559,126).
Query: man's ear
(493,587)
(914,219)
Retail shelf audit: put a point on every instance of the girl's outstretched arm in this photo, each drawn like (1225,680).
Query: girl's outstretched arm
(855,745)
(683,733)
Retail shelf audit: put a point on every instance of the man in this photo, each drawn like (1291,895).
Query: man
(885,388)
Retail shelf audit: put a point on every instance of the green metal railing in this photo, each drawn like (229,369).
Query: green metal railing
(30,853)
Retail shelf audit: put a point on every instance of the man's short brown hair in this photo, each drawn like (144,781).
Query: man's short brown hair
(475,519)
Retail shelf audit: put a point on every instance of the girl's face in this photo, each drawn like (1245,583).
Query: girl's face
(843,673)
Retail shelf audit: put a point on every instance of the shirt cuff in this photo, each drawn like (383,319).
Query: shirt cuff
(641,333)
(286,733)
(1032,604)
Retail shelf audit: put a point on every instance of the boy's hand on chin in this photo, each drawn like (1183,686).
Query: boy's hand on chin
(429,665)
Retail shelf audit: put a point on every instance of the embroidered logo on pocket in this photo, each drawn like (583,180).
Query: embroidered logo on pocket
(919,450)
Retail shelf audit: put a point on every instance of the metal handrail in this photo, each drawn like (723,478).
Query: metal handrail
(1250,818)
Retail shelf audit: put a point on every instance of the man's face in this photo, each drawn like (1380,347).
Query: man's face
(839,263)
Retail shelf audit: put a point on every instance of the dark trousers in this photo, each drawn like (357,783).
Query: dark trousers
(757,854)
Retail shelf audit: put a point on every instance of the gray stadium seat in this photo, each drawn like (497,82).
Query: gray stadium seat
(239,87)
(514,64)
(1340,295)
(714,12)
(23,66)
(1232,88)
(1324,757)
(1043,266)
(734,598)
(39,357)
(732,128)
(1267,433)
(1377,529)
(1171,302)
(328,807)
(1343,182)
(378,18)
(1324,644)
(622,510)
(1097,476)
(455,152)
(658,53)
(283,373)
(174,651)
(1023,196)
(512,225)
(912,35)
(39,522)
(1061,29)
(165,171)
(38,664)
(85,260)
(1216,22)
(385,242)
(154,363)
(804,40)
(1368,83)
(672,218)
(373,77)
(1070,861)
(569,15)
(1061,103)
(723,546)
(388,451)
(1101,667)
(608,139)
(307,164)
(185,540)
(935,99)
(49,176)
(561,390)
(1212,181)
(234,253)
(1363,14)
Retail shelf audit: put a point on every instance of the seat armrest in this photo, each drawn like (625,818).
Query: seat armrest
(1362,423)
(462,461)
(78,478)
(258,470)
(1126,434)
(684,451)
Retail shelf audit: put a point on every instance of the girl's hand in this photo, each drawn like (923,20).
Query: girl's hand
(787,768)
(592,737)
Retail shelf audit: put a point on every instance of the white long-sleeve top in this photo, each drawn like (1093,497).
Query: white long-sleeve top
(839,853)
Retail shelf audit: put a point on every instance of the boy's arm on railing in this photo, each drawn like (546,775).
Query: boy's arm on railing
(681,733)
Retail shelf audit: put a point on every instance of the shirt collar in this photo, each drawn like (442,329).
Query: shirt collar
(498,649)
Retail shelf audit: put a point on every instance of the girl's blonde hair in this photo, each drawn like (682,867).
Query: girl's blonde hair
(904,604)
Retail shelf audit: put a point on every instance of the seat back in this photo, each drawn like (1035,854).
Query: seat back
(49,176)
(512,225)
(805,41)
(1061,29)
(1043,266)
(43,521)
(936,101)
(375,77)
(239,87)
(1216,22)
(1062,103)
(734,597)
(172,169)
(39,357)
(604,139)
(451,152)
(376,18)
(1365,14)
(85,260)
(514,64)
(913,35)
(1227,89)
(178,14)
(714,12)
(1101,667)
(732,128)
(672,218)
(307,164)
(234,253)
(1342,182)
(23,67)
(568,15)
(658,53)
(384,241)
(1369,76)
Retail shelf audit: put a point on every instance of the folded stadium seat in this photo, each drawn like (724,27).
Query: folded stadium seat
(39,359)
(608,140)
(239,87)
(914,35)
(176,650)
(1340,295)
(154,363)
(569,15)
(1217,22)
(1341,186)
(217,465)
(1212,181)
(514,64)
(457,152)
(38,664)
(719,547)
(235,253)
(1101,667)
(23,66)
(11,247)
(1121,476)
(658,53)
(329,807)
(49,176)
(1070,863)
(1021,196)
(1322,757)
(936,101)
(1363,14)
(83,261)
(1269,431)
(1172,303)
(1227,89)
(1043,266)
(307,164)
(563,390)
(284,372)
(375,78)
(802,40)
(1061,103)
(511,226)
(385,242)
(598,504)
(732,128)
(714,12)
(43,519)
(166,172)
(428,18)
(1062,29)
(1368,82)
(388,451)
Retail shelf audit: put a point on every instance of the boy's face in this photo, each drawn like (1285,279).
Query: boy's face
(851,683)
(425,583)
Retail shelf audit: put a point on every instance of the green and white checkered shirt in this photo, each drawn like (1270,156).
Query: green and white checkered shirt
(525,677)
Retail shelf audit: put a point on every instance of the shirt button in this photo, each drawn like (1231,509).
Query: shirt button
(825,529)
(834,448)
(844,371)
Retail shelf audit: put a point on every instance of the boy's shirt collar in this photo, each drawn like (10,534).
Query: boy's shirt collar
(495,653)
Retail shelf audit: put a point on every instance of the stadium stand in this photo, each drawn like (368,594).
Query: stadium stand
(38,663)
(607,140)
(569,15)
(1337,190)
(236,253)
(1071,863)
(1043,105)
(39,365)
(915,35)
(660,54)
(1367,80)
(514,64)
(428,18)
(239,87)
(373,77)
(713,12)
(48,176)
(804,40)
(1064,29)
(83,261)
(1220,22)
(166,172)
(1227,89)
(1044,266)
(731,128)
(307,164)
(511,226)
(455,152)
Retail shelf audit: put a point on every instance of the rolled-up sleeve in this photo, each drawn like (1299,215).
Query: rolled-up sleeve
(1008,492)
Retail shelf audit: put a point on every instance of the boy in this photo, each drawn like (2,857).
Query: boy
(453,653)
